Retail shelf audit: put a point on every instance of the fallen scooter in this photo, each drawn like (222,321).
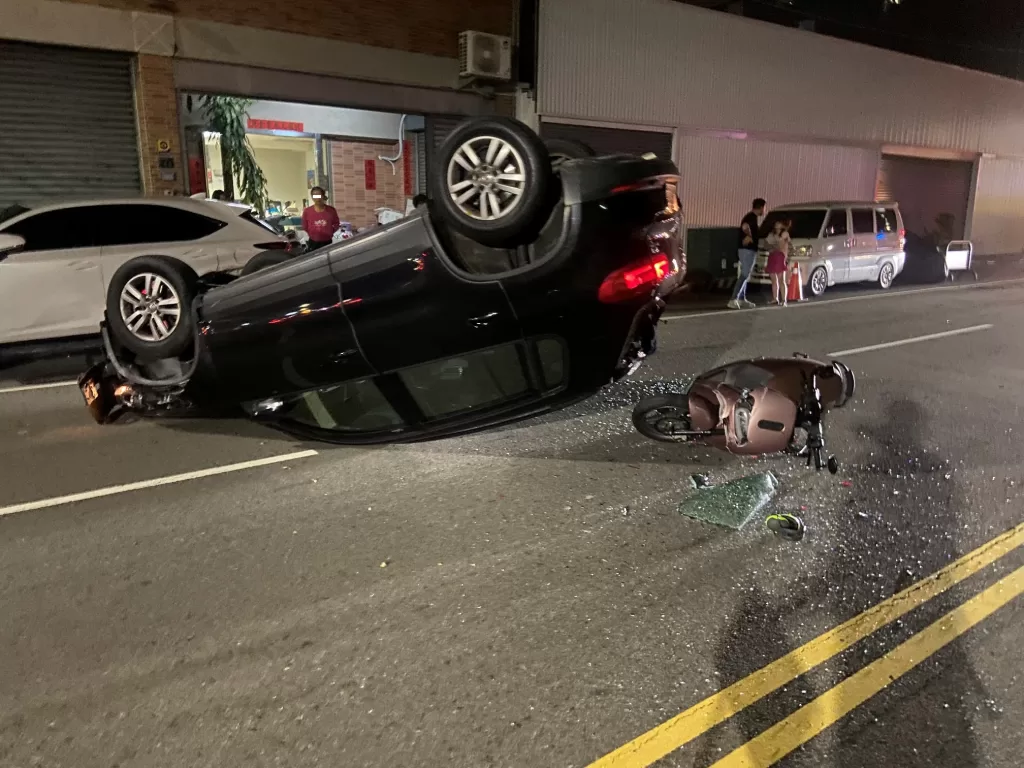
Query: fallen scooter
(753,407)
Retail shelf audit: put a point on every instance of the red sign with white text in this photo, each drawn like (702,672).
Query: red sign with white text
(407,167)
(371,174)
(274,125)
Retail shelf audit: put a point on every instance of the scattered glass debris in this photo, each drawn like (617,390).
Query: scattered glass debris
(732,504)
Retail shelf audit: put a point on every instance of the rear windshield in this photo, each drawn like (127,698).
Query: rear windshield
(248,216)
(805,224)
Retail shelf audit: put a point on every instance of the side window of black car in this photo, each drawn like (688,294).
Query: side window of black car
(355,406)
(55,230)
(836,224)
(139,224)
(469,382)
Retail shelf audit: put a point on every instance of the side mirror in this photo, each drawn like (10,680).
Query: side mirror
(9,244)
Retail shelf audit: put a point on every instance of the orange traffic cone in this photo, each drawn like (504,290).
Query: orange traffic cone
(795,289)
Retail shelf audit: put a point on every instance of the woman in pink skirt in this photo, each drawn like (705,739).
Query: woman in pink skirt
(778,258)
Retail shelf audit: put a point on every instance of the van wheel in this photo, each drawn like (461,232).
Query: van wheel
(885,276)
(818,281)
(149,306)
(493,182)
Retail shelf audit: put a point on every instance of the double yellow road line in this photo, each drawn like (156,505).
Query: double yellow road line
(807,722)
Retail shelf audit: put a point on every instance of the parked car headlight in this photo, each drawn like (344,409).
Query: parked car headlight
(804,250)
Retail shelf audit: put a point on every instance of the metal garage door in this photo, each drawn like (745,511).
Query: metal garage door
(611,141)
(926,189)
(437,130)
(67,124)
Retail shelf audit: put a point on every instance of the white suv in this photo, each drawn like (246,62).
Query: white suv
(56,261)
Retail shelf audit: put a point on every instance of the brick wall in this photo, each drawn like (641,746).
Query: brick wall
(419,26)
(355,203)
(157,111)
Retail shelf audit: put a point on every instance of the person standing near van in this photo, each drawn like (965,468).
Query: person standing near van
(747,253)
(320,220)
(778,260)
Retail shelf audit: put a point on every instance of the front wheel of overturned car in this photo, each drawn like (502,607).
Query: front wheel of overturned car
(665,418)
(493,181)
(560,150)
(149,303)
(265,259)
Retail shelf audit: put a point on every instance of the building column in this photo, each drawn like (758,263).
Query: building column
(156,108)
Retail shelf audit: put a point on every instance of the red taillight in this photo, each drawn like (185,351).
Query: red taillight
(903,238)
(274,245)
(628,282)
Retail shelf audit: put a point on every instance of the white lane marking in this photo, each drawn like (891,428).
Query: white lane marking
(155,482)
(912,340)
(33,387)
(840,300)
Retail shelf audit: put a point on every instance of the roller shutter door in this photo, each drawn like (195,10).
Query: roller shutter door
(437,130)
(925,189)
(612,141)
(67,124)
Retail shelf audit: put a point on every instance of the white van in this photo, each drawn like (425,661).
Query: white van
(839,242)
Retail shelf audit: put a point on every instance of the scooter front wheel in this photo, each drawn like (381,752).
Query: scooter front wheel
(665,418)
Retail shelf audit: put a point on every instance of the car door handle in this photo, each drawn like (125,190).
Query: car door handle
(81,266)
(482,321)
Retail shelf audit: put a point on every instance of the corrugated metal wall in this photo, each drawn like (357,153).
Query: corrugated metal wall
(720,177)
(658,62)
(997,226)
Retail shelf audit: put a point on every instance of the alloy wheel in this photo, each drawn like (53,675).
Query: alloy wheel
(150,307)
(486,178)
(819,281)
(885,279)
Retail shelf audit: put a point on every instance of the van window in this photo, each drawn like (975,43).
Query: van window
(863,221)
(886,220)
(836,225)
(806,225)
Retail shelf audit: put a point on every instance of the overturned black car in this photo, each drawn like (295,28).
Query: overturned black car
(528,283)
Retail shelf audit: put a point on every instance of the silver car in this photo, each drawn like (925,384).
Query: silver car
(839,242)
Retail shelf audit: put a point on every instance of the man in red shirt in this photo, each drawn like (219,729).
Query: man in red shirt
(320,220)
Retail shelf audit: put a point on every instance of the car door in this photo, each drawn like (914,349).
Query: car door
(126,230)
(836,243)
(53,287)
(888,237)
(409,305)
(864,251)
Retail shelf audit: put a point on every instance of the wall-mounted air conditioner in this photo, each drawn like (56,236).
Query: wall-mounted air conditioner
(485,56)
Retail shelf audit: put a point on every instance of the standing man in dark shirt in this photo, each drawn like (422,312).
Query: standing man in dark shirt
(747,252)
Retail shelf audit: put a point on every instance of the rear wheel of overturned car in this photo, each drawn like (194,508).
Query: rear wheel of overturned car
(264,260)
(665,418)
(818,281)
(492,182)
(149,303)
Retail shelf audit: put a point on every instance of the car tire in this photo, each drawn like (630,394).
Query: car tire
(886,275)
(465,189)
(265,259)
(560,150)
(154,327)
(818,281)
(677,405)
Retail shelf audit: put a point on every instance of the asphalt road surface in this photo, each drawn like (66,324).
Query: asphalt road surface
(531,596)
